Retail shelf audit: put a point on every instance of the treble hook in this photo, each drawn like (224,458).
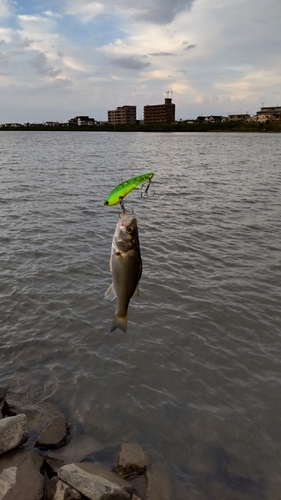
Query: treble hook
(145,188)
(123,209)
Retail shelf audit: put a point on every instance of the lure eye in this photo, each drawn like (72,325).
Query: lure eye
(106,202)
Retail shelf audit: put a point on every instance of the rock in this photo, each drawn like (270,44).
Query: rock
(139,483)
(20,477)
(239,475)
(53,465)
(58,490)
(3,391)
(220,491)
(160,485)
(13,432)
(77,449)
(96,482)
(46,424)
(199,459)
(107,456)
(131,460)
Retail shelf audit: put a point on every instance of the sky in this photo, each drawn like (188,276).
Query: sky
(61,59)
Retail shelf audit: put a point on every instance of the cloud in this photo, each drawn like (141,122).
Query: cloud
(191,46)
(4,9)
(159,54)
(130,62)
(40,63)
(160,11)
(151,11)
(84,9)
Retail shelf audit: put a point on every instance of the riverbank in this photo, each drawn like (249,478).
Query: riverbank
(41,458)
(157,127)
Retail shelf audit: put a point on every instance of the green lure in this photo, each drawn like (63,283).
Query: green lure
(120,191)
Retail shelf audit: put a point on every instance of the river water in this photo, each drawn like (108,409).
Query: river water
(196,380)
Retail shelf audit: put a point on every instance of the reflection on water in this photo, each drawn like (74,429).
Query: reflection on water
(196,379)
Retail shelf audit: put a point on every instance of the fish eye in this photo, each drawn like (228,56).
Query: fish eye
(129,229)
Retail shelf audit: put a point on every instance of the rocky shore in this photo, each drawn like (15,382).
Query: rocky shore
(39,460)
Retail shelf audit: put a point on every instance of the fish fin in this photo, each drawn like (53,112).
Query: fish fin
(119,322)
(136,292)
(110,293)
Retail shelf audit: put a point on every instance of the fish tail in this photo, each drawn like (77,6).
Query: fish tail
(119,322)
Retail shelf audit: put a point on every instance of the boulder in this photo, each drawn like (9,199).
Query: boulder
(46,424)
(58,490)
(13,432)
(96,482)
(131,460)
(20,476)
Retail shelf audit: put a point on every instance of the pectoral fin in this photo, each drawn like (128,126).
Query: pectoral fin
(110,293)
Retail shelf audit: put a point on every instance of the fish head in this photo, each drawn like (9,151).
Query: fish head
(126,232)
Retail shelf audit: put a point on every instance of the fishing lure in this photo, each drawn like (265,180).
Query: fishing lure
(120,191)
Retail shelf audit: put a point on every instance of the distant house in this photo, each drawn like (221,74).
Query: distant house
(12,125)
(122,115)
(211,119)
(239,118)
(81,120)
(52,124)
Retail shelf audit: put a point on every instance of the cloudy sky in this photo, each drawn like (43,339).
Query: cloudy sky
(62,58)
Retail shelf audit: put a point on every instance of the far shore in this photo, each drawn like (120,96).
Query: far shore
(156,127)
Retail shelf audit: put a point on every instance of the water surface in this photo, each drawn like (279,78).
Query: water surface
(196,379)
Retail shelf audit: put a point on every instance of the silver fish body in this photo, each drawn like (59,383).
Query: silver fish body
(126,267)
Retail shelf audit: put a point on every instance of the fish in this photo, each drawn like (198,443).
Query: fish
(125,266)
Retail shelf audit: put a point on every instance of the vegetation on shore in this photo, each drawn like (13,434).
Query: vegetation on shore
(159,127)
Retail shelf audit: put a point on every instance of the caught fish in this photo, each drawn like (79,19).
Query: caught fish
(125,266)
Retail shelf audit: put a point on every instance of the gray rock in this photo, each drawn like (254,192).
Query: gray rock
(96,482)
(131,460)
(20,477)
(45,422)
(58,490)
(13,432)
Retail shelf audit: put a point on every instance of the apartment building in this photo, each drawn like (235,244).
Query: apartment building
(160,113)
(269,113)
(122,115)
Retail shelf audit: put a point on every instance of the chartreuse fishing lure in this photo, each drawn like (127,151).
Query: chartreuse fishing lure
(120,191)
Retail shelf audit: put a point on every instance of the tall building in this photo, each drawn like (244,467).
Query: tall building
(123,115)
(160,113)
